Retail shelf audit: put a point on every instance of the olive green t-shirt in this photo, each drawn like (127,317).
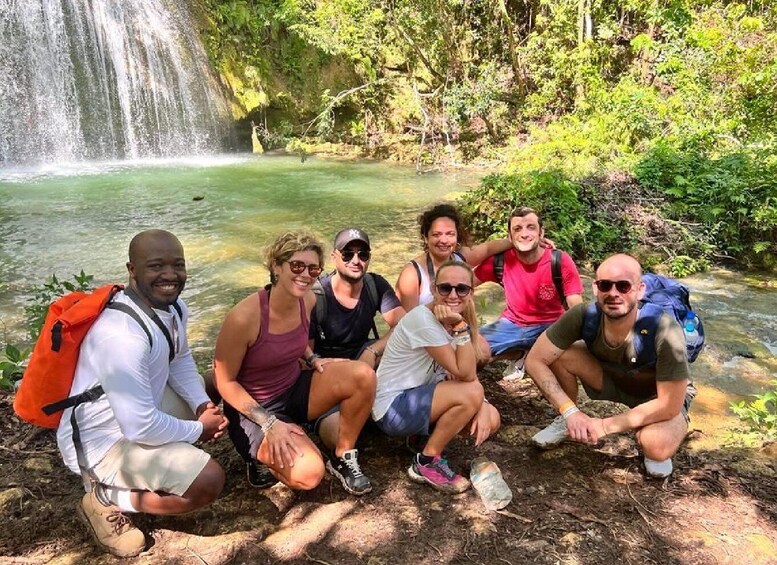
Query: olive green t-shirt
(618,362)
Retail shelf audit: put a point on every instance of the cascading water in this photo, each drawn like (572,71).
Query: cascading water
(104,79)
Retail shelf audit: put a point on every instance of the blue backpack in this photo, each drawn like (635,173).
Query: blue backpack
(662,294)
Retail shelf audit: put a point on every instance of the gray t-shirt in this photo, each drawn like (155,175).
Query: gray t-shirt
(671,357)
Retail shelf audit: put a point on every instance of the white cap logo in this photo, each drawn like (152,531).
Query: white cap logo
(354,234)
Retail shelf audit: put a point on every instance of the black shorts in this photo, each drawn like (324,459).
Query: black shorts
(290,406)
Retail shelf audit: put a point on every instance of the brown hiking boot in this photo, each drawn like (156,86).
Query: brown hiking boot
(111,528)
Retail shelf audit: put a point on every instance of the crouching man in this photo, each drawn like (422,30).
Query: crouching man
(133,455)
(658,393)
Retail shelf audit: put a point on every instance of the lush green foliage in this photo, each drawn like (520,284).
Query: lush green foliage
(760,415)
(678,95)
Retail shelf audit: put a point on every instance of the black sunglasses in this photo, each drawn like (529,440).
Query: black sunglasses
(347,255)
(624,287)
(462,290)
(298,267)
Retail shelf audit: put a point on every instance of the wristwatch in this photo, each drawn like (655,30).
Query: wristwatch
(310,358)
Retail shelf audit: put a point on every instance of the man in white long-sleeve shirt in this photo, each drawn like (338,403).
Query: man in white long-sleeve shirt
(136,455)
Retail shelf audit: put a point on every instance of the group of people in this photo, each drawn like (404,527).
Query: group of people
(303,355)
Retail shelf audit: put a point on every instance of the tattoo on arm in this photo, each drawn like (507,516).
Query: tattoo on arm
(256,413)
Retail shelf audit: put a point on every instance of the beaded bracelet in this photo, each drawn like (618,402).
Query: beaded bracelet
(268,423)
(375,353)
(461,340)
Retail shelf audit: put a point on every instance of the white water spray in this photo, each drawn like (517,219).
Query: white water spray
(104,79)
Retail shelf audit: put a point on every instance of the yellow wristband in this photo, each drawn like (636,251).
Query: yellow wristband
(566,406)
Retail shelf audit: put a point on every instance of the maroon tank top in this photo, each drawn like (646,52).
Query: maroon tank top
(271,365)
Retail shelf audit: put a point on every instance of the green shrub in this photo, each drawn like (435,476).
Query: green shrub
(760,415)
(570,215)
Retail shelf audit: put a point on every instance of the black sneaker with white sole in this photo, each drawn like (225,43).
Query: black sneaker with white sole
(259,475)
(346,468)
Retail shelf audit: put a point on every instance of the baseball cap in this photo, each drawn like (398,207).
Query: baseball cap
(346,236)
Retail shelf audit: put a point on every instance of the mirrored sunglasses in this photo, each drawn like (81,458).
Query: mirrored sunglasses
(297,267)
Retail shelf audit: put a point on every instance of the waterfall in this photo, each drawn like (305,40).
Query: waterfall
(104,79)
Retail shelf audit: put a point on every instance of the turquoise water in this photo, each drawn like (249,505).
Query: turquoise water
(62,221)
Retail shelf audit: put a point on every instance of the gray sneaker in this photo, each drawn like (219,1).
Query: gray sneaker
(552,435)
(658,469)
(346,468)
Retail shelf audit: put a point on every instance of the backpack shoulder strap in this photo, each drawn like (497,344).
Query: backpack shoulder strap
(558,279)
(417,271)
(372,293)
(499,266)
(148,311)
(179,309)
(592,317)
(321,308)
(644,335)
(132,313)
(430,268)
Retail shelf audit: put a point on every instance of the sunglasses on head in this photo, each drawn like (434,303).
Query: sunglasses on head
(462,290)
(298,267)
(347,255)
(624,287)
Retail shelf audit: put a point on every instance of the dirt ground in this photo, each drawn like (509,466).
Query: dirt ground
(571,505)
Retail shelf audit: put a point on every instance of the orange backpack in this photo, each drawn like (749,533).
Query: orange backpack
(43,393)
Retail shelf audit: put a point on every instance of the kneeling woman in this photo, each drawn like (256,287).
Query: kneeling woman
(427,378)
(257,368)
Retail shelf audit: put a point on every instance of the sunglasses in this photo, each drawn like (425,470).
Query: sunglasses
(298,267)
(623,287)
(347,255)
(462,290)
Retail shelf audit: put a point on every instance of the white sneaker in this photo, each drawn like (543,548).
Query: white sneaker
(658,469)
(552,435)
(515,370)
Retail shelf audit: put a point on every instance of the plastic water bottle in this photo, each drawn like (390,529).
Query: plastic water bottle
(489,484)
(691,327)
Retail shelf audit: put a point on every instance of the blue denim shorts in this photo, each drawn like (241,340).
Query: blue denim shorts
(410,413)
(503,335)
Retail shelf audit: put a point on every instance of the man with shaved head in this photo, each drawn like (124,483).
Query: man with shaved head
(658,396)
(132,444)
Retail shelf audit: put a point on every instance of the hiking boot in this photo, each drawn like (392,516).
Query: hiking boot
(552,435)
(259,475)
(111,528)
(515,369)
(346,468)
(658,469)
(438,475)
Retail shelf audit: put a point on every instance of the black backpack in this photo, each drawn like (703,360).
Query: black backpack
(321,304)
(555,271)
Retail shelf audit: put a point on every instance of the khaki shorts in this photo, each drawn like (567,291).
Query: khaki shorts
(169,468)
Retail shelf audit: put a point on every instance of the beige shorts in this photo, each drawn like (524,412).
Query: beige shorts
(169,468)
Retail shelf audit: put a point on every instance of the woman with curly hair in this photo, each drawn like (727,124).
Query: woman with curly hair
(444,238)
(260,349)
